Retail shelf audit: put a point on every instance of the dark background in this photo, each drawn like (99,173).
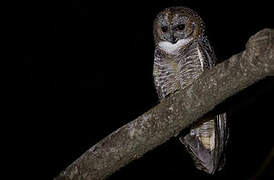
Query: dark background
(87,70)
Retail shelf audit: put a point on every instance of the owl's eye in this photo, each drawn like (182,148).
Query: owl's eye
(164,28)
(181,27)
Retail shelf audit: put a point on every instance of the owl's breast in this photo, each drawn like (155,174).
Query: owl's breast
(170,76)
(175,71)
(190,66)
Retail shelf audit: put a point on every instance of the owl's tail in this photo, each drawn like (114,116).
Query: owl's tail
(206,143)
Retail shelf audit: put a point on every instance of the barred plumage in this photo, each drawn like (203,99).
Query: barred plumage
(182,53)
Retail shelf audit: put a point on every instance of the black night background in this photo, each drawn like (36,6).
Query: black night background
(87,70)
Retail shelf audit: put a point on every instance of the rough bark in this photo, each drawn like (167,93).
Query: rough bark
(176,112)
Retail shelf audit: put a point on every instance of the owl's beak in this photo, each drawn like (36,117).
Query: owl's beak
(173,40)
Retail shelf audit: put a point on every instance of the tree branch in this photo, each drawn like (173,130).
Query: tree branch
(176,112)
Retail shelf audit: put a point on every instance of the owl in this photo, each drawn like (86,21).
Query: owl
(182,54)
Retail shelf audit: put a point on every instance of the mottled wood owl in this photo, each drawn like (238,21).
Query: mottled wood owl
(182,53)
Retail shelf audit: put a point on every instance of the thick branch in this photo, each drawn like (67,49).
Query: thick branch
(176,112)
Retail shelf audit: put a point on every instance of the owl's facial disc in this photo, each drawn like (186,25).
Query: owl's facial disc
(173,32)
(177,23)
(174,27)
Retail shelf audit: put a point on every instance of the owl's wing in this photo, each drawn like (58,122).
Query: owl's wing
(223,135)
(157,81)
(206,53)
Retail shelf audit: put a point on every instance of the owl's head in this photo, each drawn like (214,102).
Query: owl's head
(177,23)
